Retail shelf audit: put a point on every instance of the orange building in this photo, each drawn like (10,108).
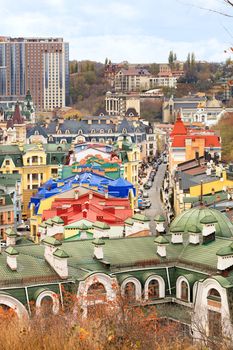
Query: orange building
(6,214)
(186,144)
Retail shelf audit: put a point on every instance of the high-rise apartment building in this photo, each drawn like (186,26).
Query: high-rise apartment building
(40,65)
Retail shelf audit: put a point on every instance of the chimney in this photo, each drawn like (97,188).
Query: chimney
(225,258)
(161,243)
(60,263)
(90,195)
(10,237)
(11,258)
(76,194)
(208,229)
(160,221)
(194,234)
(98,248)
(177,235)
(51,245)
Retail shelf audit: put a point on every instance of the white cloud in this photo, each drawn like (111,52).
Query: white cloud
(143,49)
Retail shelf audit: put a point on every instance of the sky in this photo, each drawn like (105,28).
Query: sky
(137,31)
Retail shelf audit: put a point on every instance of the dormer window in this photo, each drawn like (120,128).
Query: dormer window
(36,132)
(102,131)
(50,139)
(80,132)
(92,131)
(124,131)
(110,131)
(59,131)
(67,131)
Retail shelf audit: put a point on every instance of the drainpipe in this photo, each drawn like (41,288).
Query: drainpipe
(168,280)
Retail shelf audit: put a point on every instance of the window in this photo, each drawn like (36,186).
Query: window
(153,290)
(9,216)
(130,291)
(215,323)
(184,291)
(96,292)
(7,162)
(214,298)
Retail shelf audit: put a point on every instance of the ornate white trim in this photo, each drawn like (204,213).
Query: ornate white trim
(52,295)
(161,286)
(14,304)
(178,287)
(138,287)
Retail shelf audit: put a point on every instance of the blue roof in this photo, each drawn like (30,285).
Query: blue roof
(116,188)
(121,182)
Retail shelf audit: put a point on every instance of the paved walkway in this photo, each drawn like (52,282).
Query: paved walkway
(154,195)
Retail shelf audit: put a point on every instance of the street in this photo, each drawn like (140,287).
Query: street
(154,195)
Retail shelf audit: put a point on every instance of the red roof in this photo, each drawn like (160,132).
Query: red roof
(113,211)
(17,117)
(179,128)
(210,140)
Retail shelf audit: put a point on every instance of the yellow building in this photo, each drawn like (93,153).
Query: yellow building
(130,156)
(186,193)
(36,163)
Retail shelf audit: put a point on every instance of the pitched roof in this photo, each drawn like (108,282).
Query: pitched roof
(179,128)
(17,117)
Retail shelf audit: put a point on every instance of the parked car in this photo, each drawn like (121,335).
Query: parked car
(145,195)
(147,203)
(147,185)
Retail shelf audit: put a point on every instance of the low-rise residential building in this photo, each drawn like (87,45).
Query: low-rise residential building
(186,144)
(36,163)
(10,184)
(190,268)
(6,214)
(196,110)
(74,187)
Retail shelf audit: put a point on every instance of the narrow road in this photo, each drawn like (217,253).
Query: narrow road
(154,195)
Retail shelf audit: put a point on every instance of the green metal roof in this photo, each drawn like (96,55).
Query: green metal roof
(161,240)
(225,251)
(57,220)
(177,229)
(11,251)
(188,218)
(194,229)
(101,225)
(83,227)
(159,218)
(129,221)
(209,219)
(98,241)
(49,222)
(60,253)
(51,241)
(141,217)
(10,232)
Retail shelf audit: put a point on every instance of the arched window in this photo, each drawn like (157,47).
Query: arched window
(93,140)
(80,132)
(92,131)
(36,132)
(59,131)
(153,289)
(101,140)
(63,141)
(67,131)
(184,291)
(124,131)
(101,131)
(50,138)
(110,131)
(130,291)
(96,292)
(46,306)
(214,298)
(6,312)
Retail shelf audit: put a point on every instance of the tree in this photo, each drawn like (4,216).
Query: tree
(171,58)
